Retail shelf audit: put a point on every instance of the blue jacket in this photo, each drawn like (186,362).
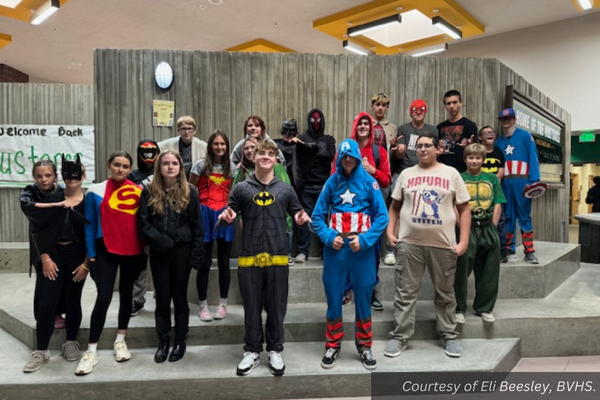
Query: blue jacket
(355,203)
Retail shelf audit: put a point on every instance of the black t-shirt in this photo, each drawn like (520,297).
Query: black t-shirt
(453,133)
(494,160)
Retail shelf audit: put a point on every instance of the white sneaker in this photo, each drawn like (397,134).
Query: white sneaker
(121,351)
(389,259)
(460,318)
(300,258)
(488,317)
(87,363)
(276,363)
(248,363)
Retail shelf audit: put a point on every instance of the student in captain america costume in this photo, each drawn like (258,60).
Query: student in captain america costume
(521,168)
(358,218)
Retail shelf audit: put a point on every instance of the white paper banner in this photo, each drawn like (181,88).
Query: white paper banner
(22,145)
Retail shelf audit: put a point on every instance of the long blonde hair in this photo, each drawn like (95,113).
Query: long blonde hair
(178,197)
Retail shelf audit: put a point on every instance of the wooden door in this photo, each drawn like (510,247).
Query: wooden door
(575,198)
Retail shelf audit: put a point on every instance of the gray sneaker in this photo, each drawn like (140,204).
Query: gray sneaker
(394,347)
(36,360)
(70,351)
(453,348)
(531,258)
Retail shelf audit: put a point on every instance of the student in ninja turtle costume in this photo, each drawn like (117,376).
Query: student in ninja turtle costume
(483,253)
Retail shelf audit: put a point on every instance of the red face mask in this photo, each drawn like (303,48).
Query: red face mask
(315,120)
(418,106)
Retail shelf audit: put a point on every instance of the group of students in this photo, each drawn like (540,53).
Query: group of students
(175,222)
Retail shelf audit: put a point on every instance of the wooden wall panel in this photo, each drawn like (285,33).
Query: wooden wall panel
(221,89)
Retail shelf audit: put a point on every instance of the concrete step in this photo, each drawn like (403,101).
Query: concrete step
(572,311)
(209,371)
(518,280)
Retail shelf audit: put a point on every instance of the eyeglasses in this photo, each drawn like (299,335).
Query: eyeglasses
(425,146)
(186,129)
(491,133)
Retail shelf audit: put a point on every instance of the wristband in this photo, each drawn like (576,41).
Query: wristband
(47,261)
(85,266)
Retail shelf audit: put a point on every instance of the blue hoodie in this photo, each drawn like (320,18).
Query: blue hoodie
(355,203)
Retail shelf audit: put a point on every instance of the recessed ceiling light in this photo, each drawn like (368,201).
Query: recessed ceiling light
(215,2)
(202,8)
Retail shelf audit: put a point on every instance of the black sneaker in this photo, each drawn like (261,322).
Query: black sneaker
(136,308)
(503,258)
(331,354)
(367,359)
(376,304)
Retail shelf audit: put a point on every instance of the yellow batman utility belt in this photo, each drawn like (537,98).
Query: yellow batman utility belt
(263,260)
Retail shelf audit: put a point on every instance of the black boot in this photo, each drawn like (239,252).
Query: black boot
(178,350)
(163,349)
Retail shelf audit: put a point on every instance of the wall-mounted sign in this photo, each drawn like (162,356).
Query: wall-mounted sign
(23,145)
(547,130)
(163,112)
(587,137)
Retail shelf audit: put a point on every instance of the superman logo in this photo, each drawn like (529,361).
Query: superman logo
(217,180)
(263,199)
(126,199)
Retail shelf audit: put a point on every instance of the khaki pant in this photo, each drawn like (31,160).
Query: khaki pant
(411,261)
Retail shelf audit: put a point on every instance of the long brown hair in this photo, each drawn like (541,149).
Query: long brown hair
(247,165)
(178,197)
(210,154)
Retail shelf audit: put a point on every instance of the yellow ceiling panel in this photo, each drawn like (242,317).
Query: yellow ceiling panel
(261,46)
(5,39)
(336,25)
(24,10)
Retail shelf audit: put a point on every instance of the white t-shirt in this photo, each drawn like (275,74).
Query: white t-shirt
(427,216)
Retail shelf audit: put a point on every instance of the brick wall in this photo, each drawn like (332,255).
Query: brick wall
(8,74)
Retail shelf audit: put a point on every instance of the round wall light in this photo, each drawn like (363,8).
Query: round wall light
(163,75)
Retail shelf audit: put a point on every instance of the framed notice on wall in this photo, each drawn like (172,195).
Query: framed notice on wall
(547,130)
(163,112)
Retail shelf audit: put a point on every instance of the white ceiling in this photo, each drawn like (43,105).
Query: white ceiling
(61,49)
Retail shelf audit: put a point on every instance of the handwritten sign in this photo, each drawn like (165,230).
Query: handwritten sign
(23,145)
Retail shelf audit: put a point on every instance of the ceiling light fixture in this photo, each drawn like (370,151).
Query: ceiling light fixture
(46,10)
(446,27)
(425,51)
(371,26)
(355,48)
(586,4)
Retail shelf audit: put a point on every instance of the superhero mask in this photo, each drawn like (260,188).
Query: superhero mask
(315,120)
(289,128)
(148,152)
(71,169)
(418,106)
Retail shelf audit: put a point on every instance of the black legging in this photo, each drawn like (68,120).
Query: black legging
(104,273)
(171,273)
(223,256)
(48,292)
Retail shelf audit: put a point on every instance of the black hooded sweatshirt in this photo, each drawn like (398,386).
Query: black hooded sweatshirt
(312,165)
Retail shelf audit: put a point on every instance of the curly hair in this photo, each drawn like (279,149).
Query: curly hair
(178,197)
